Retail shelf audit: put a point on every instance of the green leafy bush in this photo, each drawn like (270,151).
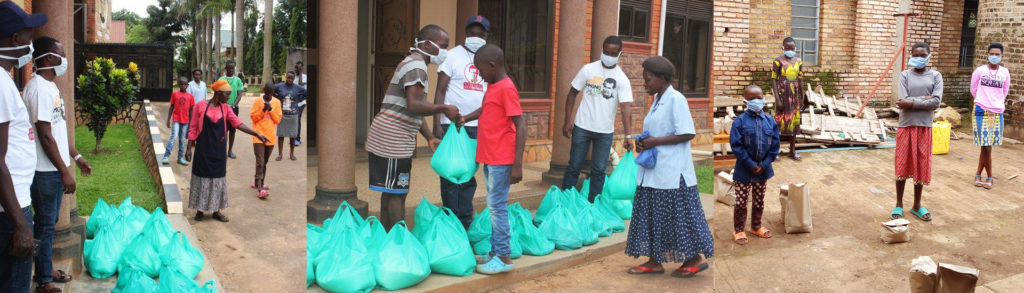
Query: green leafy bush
(106,91)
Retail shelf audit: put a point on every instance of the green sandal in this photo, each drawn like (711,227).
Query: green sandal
(921,212)
(896,211)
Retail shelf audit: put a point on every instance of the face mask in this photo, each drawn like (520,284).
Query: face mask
(59,69)
(23,59)
(918,62)
(995,59)
(474,43)
(434,59)
(609,61)
(789,54)
(755,105)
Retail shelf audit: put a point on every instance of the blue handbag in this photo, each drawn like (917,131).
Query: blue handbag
(649,157)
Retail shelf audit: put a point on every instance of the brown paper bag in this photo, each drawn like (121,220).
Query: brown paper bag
(896,231)
(796,208)
(956,279)
(783,200)
(923,277)
(724,191)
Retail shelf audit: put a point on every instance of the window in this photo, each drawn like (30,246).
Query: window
(687,43)
(523,29)
(805,29)
(634,20)
(967,34)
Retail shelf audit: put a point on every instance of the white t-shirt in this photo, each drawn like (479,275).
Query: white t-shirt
(301,77)
(603,89)
(21,145)
(45,104)
(466,88)
(198,90)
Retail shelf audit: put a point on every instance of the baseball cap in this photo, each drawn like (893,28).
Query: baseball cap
(479,20)
(14,19)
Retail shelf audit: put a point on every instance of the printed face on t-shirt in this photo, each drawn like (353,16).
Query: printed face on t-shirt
(605,87)
(473,80)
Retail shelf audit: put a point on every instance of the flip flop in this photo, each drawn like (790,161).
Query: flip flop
(921,212)
(688,272)
(642,270)
(263,194)
(896,211)
(762,232)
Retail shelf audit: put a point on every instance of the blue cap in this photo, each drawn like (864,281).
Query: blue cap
(479,20)
(14,19)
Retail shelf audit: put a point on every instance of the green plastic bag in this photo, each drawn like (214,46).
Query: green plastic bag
(157,231)
(484,247)
(174,281)
(455,158)
(133,280)
(561,228)
(142,255)
(480,228)
(373,234)
(345,217)
(345,265)
(448,245)
(622,208)
(208,287)
(424,214)
(621,185)
(552,198)
(402,261)
(103,253)
(102,215)
(585,189)
(606,213)
(310,274)
(181,256)
(312,251)
(135,216)
(574,201)
(584,224)
(598,225)
(528,236)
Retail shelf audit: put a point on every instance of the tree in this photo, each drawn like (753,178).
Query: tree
(268,29)
(163,22)
(130,18)
(137,34)
(106,91)
(239,34)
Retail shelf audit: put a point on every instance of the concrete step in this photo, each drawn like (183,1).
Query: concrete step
(86,283)
(1009,284)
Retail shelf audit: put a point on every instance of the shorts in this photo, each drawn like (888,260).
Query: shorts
(389,175)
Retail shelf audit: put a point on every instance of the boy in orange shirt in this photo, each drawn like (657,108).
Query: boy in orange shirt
(266,115)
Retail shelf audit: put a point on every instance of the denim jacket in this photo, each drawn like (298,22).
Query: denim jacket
(755,142)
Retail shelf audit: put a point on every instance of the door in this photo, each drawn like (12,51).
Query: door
(687,43)
(396,25)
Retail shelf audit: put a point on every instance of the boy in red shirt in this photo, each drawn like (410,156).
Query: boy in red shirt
(181,110)
(500,148)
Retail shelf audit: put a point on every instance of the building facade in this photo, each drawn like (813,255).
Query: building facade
(848,44)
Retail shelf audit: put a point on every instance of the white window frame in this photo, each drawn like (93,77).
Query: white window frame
(817,33)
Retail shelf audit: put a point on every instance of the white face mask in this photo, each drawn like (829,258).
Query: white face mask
(59,69)
(23,59)
(442,53)
(609,61)
(474,43)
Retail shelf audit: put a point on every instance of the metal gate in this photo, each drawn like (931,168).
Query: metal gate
(156,65)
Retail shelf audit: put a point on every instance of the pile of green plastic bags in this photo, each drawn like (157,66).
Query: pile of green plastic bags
(138,246)
(566,217)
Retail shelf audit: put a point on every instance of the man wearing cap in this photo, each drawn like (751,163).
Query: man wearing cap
(460,85)
(17,150)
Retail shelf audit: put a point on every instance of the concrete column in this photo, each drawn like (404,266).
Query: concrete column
(69,234)
(604,24)
(336,154)
(465,10)
(572,27)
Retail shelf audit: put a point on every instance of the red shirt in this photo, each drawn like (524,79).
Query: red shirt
(496,133)
(182,102)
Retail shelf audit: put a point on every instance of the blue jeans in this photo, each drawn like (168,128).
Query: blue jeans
(582,140)
(15,272)
(459,197)
(47,192)
(179,131)
(497,178)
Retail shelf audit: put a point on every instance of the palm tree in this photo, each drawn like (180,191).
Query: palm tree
(268,28)
(206,15)
(239,33)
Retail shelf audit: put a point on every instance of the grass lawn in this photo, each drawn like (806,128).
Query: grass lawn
(118,170)
(705,179)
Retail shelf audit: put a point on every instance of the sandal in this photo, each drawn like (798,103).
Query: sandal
(897,213)
(642,270)
(687,272)
(220,217)
(988,185)
(263,195)
(48,288)
(762,232)
(740,238)
(253,186)
(977,181)
(199,216)
(921,213)
(60,276)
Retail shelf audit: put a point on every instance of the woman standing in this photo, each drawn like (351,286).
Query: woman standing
(788,89)
(208,134)
(668,220)
(989,85)
(266,115)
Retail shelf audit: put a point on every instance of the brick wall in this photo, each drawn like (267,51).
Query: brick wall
(731,67)
(1000,21)
(949,40)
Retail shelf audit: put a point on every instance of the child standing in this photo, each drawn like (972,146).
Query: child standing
(920,92)
(266,115)
(181,111)
(755,142)
(500,143)
(990,84)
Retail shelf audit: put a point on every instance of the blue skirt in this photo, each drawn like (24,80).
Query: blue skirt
(668,225)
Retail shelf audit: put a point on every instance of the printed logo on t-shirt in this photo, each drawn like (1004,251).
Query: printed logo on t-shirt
(602,86)
(58,111)
(991,82)
(475,82)
(31,134)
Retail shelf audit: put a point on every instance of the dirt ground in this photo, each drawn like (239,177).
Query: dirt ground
(608,274)
(262,248)
(852,193)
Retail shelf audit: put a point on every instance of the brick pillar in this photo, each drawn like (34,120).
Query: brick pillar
(465,10)
(571,38)
(336,155)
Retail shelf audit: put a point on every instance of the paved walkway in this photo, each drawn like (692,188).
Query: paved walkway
(853,192)
(262,249)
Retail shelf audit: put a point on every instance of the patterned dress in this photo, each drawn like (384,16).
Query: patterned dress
(668,225)
(788,90)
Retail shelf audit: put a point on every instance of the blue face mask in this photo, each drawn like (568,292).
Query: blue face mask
(918,62)
(789,53)
(995,59)
(755,105)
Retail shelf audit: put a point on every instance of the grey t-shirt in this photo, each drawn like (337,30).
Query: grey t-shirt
(925,89)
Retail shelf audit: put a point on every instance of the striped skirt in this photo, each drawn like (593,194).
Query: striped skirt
(668,225)
(914,154)
(988,127)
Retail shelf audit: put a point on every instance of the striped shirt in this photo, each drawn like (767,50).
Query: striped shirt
(393,131)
